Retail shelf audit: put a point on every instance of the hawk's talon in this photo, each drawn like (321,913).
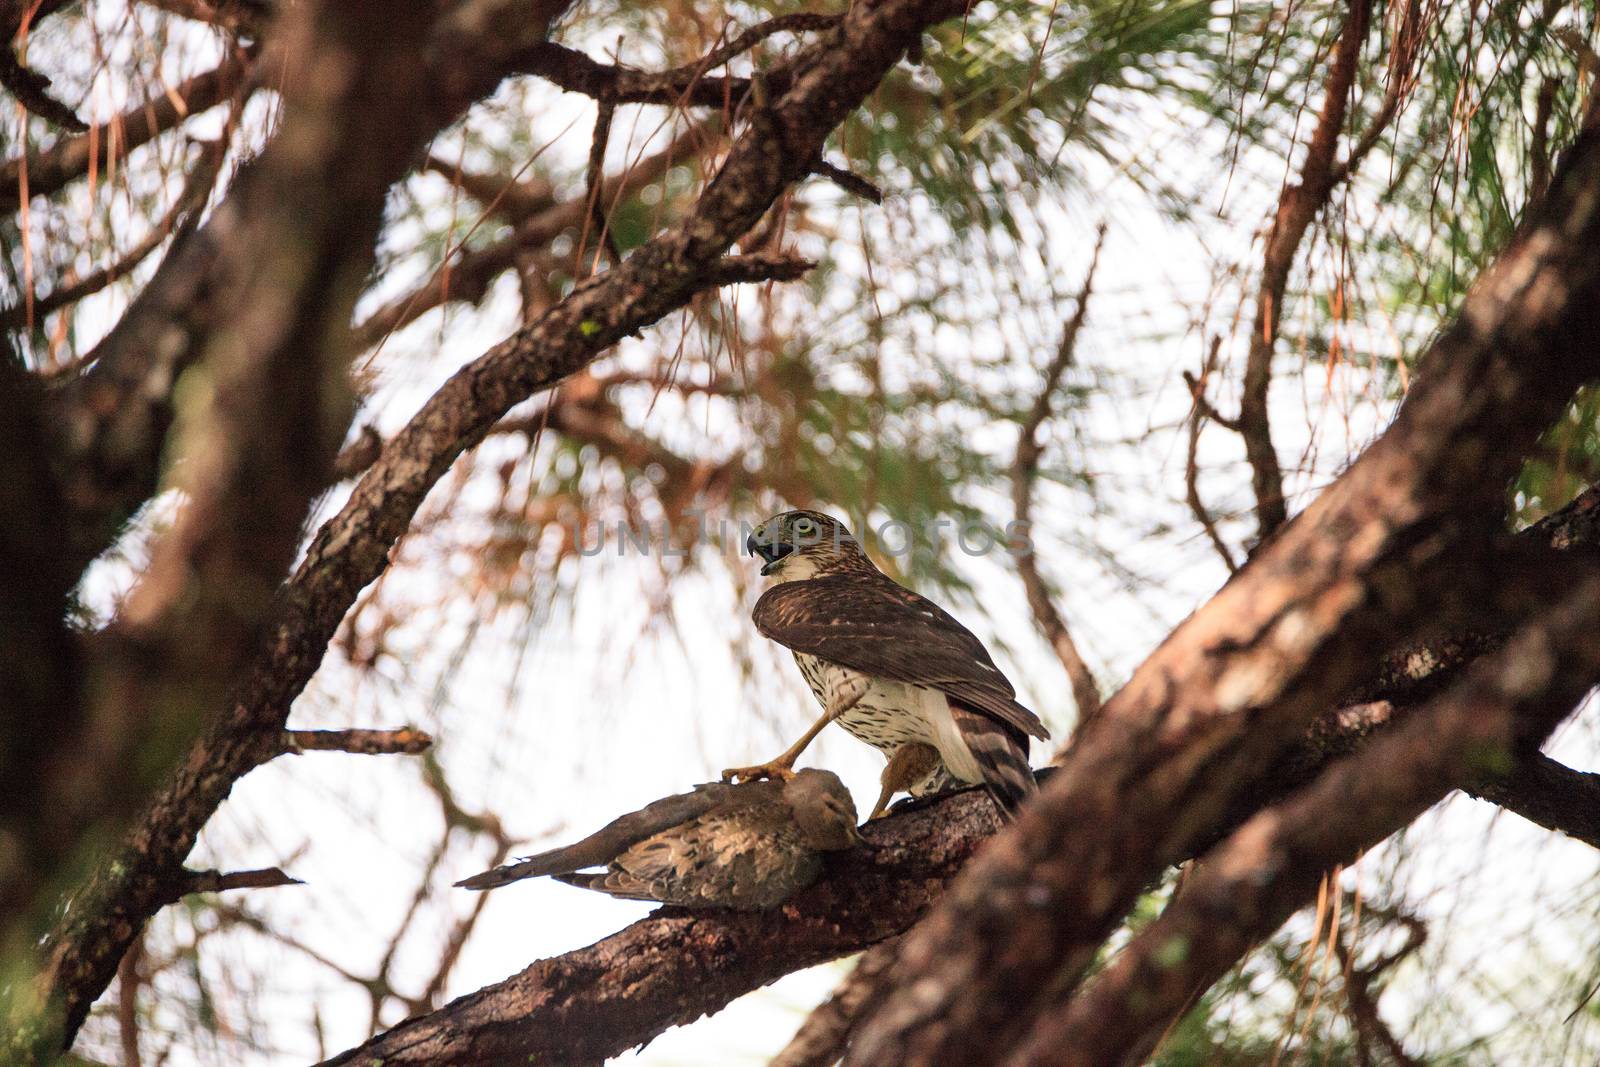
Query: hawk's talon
(782,771)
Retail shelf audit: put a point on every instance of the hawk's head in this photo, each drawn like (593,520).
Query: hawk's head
(822,809)
(802,544)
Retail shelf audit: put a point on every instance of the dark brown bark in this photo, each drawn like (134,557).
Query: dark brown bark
(39,657)
(675,966)
(1244,889)
(1398,543)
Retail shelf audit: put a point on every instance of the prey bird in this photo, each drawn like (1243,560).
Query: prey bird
(748,846)
(891,666)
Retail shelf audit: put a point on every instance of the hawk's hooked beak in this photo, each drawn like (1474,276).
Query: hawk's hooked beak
(771,551)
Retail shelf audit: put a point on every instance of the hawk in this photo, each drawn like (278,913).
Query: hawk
(891,666)
(748,846)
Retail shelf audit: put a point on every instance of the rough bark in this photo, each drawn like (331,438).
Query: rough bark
(675,966)
(1400,541)
(1244,889)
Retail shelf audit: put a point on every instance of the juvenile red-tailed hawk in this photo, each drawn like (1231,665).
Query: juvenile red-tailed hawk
(891,666)
(748,846)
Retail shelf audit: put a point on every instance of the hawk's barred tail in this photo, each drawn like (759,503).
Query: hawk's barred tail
(1002,753)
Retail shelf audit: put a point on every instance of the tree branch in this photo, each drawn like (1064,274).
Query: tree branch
(197,188)
(220,882)
(32,91)
(686,86)
(1246,888)
(468,277)
(403,741)
(1024,472)
(1298,206)
(68,160)
(286,253)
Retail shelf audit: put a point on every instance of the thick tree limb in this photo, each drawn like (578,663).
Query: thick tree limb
(780,146)
(675,966)
(1245,888)
(1394,546)
(1024,472)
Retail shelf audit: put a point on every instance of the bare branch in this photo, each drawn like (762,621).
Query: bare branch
(353,548)
(220,882)
(596,210)
(850,182)
(761,267)
(1202,412)
(32,91)
(402,741)
(1024,472)
(679,87)
(468,276)
(1298,206)
(66,161)
(197,188)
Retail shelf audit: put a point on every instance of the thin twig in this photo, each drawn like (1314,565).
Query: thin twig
(213,881)
(595,211)
(847,180)
(1539,150)
(1024,472)
(403,741)
(197,189)
(1298,206)
(1191,469)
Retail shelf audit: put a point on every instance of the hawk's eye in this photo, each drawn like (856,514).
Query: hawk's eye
(805,527)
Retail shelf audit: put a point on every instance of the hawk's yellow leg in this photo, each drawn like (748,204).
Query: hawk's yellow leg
(783,766)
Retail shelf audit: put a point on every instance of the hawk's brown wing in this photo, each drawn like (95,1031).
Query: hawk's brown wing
(619,835)
(876,626)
